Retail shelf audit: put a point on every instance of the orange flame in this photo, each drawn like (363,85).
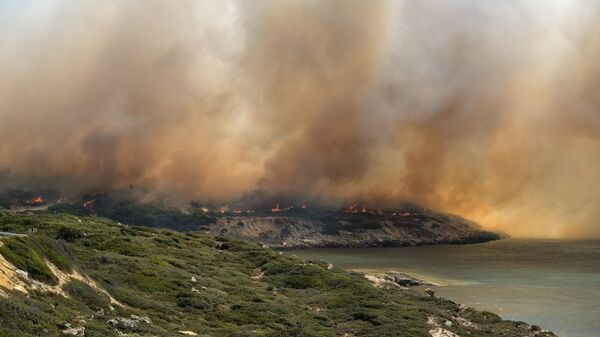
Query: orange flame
(36,201)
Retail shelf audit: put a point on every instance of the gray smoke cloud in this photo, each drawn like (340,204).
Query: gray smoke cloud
(485,109)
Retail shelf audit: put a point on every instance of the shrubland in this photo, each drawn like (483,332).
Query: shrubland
(192,281)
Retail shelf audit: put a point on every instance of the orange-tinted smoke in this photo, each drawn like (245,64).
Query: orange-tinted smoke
(488,110)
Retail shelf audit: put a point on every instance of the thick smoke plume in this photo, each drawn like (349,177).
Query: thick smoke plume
(486,109)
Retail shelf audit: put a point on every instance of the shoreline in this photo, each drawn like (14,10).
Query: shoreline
(450,286)
(387,278)
(306,245)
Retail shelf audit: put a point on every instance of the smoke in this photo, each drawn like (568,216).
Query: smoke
(327,55)
(485,109)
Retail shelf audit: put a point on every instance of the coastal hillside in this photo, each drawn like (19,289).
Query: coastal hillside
(338,229)
(63,275)
(298,226)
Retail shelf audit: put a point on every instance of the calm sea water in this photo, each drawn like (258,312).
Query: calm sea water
(551,283)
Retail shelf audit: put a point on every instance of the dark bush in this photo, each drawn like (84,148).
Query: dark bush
(69,234)
(191,302)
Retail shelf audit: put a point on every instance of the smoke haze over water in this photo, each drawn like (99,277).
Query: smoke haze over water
(487,109)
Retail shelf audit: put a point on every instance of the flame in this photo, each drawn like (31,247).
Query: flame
(354,209)
(36,201)
(276,209)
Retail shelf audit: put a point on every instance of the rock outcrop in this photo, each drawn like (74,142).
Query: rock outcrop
(392,279)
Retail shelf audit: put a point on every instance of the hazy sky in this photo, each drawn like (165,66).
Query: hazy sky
(488,109)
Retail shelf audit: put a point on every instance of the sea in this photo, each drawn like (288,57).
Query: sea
(551,283)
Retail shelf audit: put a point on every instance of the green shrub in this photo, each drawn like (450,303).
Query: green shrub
(289,273)
(87,295)
(18,252)
(55,251)
(484,317)
(18,319)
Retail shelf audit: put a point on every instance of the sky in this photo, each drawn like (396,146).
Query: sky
(486,109)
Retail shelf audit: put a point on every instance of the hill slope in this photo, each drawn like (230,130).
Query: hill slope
(298,227)
(94,277)
(338,229)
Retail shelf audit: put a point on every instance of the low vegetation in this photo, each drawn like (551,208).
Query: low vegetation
(133,213)
(162,282)
(21,253)
(87,295)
